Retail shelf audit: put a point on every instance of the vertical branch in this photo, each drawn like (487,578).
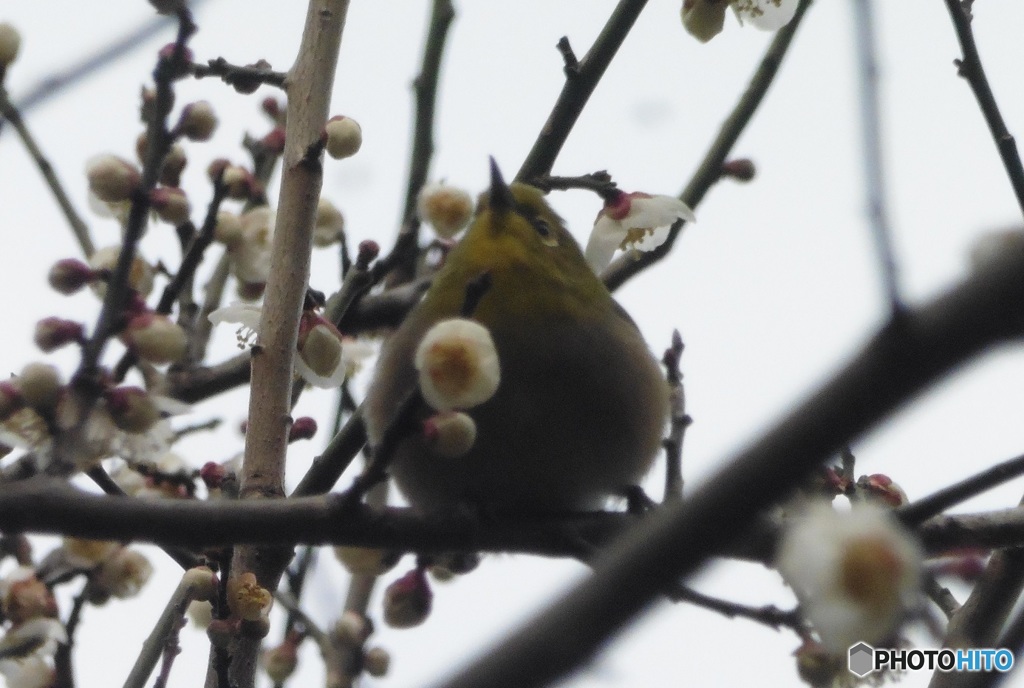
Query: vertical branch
(871,125)
(970,68)
(403,256)
(309,85)
(581,78)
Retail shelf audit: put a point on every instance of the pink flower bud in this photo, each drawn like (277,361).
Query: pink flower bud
(112,179)
(303,428)
(271,106)
(10,399)
(69,275)
(344,137)
(741,169)
(367,252)
(212,474)
(274,141)
(53,333)
(407,601)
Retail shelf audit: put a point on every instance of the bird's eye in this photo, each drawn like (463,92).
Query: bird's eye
(547,236)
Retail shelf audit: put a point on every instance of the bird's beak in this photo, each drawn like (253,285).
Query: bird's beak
(501,198)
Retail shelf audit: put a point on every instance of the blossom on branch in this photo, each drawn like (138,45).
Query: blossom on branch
(635,220)
(704,19)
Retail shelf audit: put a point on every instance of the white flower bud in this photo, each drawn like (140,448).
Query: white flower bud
(448,209)
(377,661)
(112,179)
(228,230)
(171,205)
(458,365)
(344,137)
(10,44)
(449,434)
(41,386)
(198,121)
(154,338)
(330,224)
(366,561)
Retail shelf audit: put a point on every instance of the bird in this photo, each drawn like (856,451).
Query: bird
(581,406)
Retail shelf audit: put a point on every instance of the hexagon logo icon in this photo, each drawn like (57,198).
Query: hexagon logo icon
(861,659)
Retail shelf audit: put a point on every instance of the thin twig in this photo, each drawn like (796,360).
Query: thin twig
(874,169)
(336,457)
(678,418)
(245,78)
(937,502)
(768,615)
(971,69)
(710,169)
(10,113)
(579,84)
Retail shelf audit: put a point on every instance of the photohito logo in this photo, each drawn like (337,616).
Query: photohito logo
(864,659)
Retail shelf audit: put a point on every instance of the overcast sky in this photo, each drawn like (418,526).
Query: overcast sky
(773,288)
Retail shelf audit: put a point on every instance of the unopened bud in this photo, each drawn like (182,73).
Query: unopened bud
(366,561)
(212,474)
(882,487)
(376,661)
(280,662)
(272,107)
(704,19)
(221,632)
(448,209)
(450,434)
(53,333)
(167,53)
(344,137)
(41,386)
(741,169)
(154,338)
(198,121)
(202,582)
(273,142)
(171,205)
(69,275)
(228,230)
(174,165)
(303,428)
(367,252)
(249,84)
(112,179)
(238,182)
(132,409)
(10,44)
(329,226)
(407,601)
(352,628)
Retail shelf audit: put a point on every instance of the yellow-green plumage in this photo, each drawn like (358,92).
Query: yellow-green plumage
(580,409)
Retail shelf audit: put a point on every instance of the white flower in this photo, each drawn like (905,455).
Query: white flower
(123,574)
(30,672)
(326,356)
(633,220)
(767,15)
(458,365)
(704,19)
(246,315)
(856,573)
(37,636)
(449,434)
